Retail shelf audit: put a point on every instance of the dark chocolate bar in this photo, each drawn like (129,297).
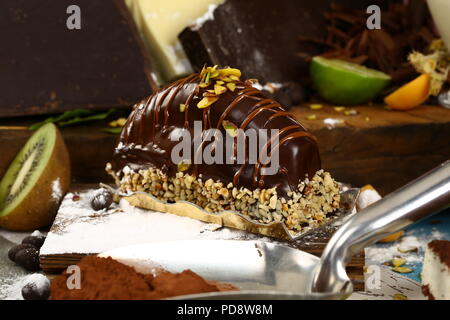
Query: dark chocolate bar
(261,38)
(48,68)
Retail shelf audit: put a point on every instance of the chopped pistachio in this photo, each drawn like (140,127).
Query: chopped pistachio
(182,107)
(406,249)
(399,296)
(402,269)
(311,117)
(218,89)
(398,262)
(339,109)
(214,74)
(220,78)
(207,77)
(209,93)
(315,106)
(202,73)
(231,86)
(118,122)
(206,102)
(204,85)
(230,71)
(352,112)
(183,165)
(367,119)
(230,128)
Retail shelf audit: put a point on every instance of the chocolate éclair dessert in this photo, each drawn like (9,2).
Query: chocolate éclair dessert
(267,178)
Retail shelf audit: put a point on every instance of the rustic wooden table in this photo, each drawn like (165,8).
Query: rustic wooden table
(377,146)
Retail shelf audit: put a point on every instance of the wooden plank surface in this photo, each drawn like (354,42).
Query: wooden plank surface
(389,150)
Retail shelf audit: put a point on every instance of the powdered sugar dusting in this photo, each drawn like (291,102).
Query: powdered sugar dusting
(269,86)
(333,122)
(409,247)
(57,190)
(80,229)
(209,15)
(11,289)
(37,233)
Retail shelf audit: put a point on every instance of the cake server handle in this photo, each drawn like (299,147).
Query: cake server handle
(418,199)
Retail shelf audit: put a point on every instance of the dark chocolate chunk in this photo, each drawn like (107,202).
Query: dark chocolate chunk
(28,258)
(102,199)
(290,94)
(261,37)
(47,68)
(35,241)
(258,37)
(36,290)
(145,142)
(13,251)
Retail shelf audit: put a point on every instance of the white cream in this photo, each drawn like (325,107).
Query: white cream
(440,9)
(160,22)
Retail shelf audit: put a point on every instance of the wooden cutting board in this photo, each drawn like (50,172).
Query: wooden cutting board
(79,231)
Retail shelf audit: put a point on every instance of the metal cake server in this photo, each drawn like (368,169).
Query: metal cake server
(265,270)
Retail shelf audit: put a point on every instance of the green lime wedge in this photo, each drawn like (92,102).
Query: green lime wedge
(342,82)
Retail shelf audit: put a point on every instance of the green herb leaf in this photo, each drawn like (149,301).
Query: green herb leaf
(117,130)
(94,117)
(72,117)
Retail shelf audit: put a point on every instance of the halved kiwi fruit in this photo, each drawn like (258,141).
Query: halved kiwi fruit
(35,182)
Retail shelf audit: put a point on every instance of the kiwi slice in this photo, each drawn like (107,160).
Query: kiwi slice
(35,182)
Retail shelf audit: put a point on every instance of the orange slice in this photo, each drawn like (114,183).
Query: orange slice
(410,95)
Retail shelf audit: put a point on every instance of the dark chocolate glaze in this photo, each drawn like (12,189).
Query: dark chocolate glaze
(144,141)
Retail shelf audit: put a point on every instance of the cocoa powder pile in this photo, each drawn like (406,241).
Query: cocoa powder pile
(107,279)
